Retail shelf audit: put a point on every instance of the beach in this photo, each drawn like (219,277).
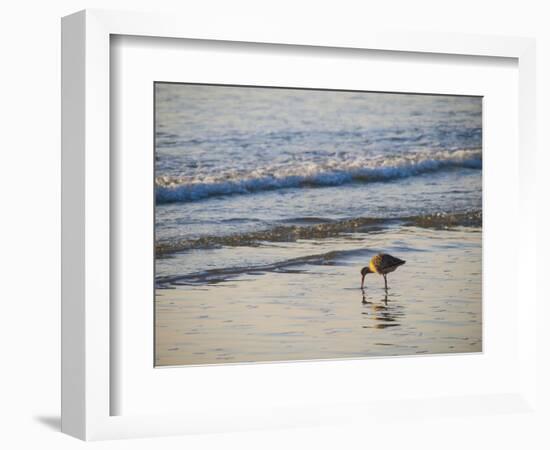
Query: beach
(318,311)
(269,202)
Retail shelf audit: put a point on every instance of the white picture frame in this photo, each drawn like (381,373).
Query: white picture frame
(87,355)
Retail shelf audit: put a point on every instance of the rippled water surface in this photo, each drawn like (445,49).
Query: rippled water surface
(269,202)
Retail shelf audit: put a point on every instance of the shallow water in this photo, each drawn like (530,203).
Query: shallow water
(269,202)
(318,311)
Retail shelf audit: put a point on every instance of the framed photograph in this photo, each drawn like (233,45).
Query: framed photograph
(245,208)
(272,203)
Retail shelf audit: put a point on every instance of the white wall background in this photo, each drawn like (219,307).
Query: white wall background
(30,193)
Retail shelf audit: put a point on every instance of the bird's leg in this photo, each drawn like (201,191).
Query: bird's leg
(385,282)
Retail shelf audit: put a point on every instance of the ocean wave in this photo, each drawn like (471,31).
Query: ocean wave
(324,228)
(333,172)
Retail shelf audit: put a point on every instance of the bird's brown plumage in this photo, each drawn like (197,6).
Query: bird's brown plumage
(381,264)
(384,263)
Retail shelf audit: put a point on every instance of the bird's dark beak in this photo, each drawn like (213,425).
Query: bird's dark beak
(362,280)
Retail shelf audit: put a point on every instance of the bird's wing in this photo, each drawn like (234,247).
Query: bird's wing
(387,261)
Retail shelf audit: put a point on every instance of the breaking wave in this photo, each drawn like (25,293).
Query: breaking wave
(333,172)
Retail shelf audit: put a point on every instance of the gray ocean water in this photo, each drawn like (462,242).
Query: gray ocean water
(257,184)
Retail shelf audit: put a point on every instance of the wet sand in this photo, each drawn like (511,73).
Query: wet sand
(318,311)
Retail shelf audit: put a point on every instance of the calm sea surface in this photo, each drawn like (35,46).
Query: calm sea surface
(269,201)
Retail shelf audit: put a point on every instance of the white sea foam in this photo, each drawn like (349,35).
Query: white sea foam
(332,172)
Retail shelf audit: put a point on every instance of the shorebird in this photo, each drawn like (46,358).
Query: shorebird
(381,264)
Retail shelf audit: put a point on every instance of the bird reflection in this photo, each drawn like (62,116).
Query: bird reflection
(365,301)
(381,312)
